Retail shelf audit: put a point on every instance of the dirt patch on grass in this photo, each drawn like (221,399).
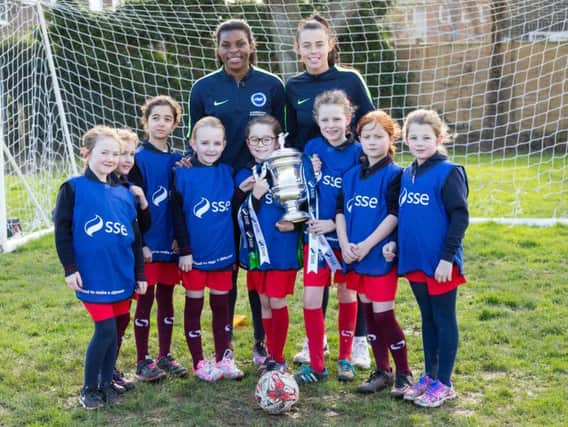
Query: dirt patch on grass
(461,406)
(492,376)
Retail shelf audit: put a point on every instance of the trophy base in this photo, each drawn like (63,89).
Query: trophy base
(295,217)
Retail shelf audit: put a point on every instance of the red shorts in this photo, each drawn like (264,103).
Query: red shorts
(376,288)
(322,277)
(435,287)
(273,283)
(197,280)
(100,312)
(166,273)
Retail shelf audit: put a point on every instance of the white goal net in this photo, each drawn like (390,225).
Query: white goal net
(496,71)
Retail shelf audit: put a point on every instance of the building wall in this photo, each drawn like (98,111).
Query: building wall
(439,21)
(453,78)
(446,49)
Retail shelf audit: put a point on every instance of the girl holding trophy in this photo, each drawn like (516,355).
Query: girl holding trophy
(269,245)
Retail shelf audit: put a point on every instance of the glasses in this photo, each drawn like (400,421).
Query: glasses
(265,140)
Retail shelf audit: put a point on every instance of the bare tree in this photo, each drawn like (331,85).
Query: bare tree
(498,94)
(285,16)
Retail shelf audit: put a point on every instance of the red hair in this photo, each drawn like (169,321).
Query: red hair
(379,117)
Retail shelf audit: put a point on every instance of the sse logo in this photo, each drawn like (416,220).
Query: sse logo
(413,198)
(362,202)
(332,181)
(159,195)
(110,227)
(216,206)
(268,198)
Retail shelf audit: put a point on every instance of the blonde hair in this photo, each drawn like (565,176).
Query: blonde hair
(391,127)
(430,118)
(127,135)
(156,101)
(333,97)
(93,135)
(207,121)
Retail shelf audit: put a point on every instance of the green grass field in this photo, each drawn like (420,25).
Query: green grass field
(512,366)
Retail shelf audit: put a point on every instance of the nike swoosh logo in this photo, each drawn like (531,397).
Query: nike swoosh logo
(301,101)
(217,103)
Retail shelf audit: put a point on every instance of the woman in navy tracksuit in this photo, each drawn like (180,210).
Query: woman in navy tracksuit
(236,93)
(315,43)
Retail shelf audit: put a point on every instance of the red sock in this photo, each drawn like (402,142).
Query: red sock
(315,329)
(377,340)
(220,322)
(267,325)
(396,340)
(165,301)
(142,322)
(280,322)
(346,321)
(192,328)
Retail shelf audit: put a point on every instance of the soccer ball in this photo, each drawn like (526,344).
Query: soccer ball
(276,392)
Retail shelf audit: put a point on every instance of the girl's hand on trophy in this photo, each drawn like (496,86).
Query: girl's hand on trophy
(316,163)
(321,226)
(247,184)
(284,226)
(260,188)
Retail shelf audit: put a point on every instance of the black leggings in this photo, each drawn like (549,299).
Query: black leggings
(101,354)
(255,308)
(440,335)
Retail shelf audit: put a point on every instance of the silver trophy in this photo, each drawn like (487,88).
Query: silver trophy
(289,188)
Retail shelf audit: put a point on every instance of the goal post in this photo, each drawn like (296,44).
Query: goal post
(496,71)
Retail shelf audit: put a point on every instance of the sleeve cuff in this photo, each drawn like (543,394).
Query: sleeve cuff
(184,251)
(70,269)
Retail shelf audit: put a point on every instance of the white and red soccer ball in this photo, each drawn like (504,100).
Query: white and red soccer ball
(276,392)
